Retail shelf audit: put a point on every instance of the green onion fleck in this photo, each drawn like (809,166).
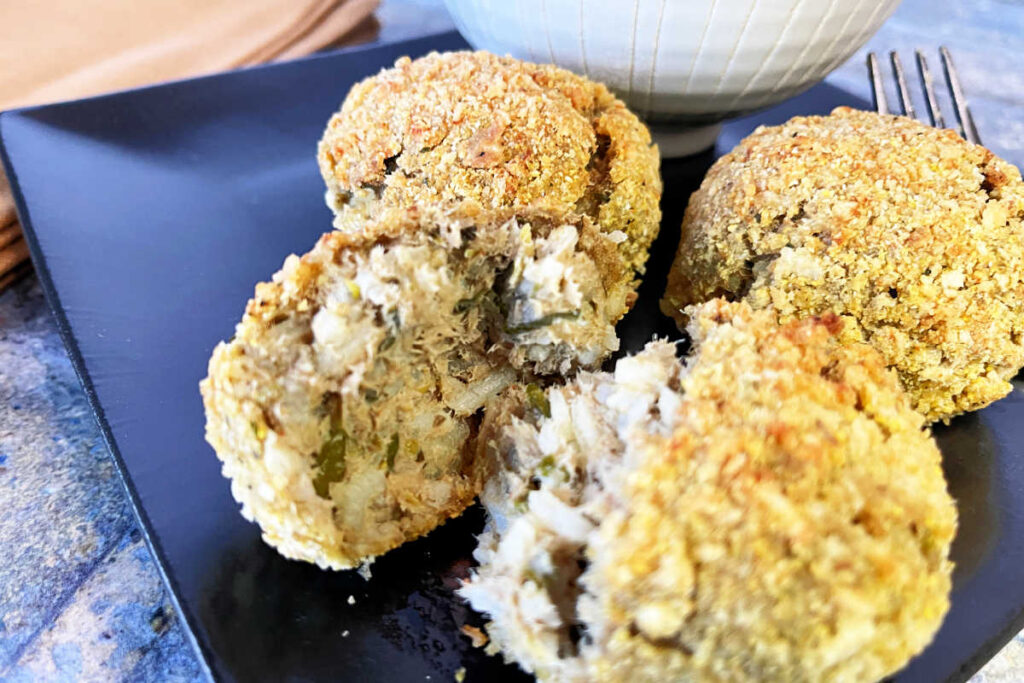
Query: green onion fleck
(546,466)
(463,305)
(330,463)
(538,399)
(543,321)
(389,458)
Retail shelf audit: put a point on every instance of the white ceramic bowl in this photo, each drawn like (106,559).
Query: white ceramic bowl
(683,65)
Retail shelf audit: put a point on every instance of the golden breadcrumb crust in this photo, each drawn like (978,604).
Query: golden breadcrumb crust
(770,509)
(505,133)
(797,527)
(911,234)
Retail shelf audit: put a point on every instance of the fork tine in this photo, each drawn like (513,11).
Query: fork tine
(963,114)
(881,105)
(901,85)
(934,113)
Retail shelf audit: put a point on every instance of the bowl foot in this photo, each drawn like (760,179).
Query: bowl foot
(682,141)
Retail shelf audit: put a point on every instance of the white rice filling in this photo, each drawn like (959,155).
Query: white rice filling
(556,482)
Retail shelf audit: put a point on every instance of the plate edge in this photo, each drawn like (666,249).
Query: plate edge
(326,54)
(203,651)
(78,363)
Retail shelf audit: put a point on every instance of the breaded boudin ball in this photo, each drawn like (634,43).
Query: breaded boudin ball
(771,510)
(911,234)
(505,133)
(344,409)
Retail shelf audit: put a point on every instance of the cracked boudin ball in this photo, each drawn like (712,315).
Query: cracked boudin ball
(911,234)
(772,509)
(505,133)
(344,408)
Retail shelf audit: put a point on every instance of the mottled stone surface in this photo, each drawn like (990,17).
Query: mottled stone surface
(80,597)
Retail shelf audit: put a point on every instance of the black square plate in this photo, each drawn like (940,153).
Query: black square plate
(152,213)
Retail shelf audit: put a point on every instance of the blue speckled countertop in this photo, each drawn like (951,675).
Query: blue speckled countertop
(80,597)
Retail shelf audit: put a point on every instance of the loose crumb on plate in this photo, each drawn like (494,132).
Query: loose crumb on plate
(478,637)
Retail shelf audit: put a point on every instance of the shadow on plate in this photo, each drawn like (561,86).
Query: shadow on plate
(967,453)
(404,620)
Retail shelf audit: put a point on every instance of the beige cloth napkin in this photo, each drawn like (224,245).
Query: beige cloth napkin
(64,49)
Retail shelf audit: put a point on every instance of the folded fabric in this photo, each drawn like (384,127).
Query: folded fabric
(65,49)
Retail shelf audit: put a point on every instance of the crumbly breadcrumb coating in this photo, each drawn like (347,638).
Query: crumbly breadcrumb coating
(344,409)
(505,133)
(911,234)
(774,509)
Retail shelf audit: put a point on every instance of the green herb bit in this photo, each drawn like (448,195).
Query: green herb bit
(546,466)
(498,303)
(538,399)
(492,305)
(259,430)
(330,462)
(396,325)
(484,299)
(389,456)
(463,305)
(543,321)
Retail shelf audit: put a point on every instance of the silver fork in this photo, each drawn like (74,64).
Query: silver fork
(965,122)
